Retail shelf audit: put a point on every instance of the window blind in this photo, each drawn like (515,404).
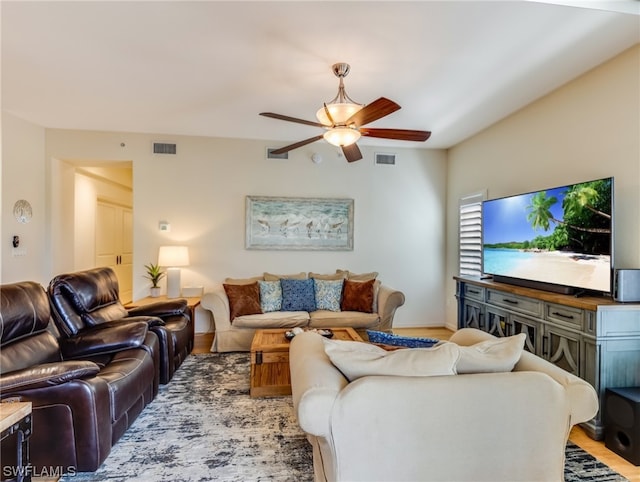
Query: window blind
(470,235)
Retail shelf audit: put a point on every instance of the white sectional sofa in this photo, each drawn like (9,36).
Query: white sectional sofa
(235,333)
(499,426)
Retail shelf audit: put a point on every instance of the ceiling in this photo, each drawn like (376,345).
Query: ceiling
(208,68)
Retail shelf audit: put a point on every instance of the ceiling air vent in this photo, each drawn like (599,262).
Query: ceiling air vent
(271,155)
(386,159)
(164,148)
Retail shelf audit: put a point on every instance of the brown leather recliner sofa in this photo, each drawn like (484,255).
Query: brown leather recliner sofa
(86,299)
(85,390)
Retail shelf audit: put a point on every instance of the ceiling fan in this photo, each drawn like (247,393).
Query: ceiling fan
(343,121)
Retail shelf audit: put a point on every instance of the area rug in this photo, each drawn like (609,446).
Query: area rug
(203,426)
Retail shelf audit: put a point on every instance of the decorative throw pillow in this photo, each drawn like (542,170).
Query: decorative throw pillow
(489,356)
(243,299)
(357,296)
(298,294)
(270,296)
(277,277)
(355,359)
(328,294)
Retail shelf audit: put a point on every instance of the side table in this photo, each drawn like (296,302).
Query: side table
(15,420)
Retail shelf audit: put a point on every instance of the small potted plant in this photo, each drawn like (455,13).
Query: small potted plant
(154,274)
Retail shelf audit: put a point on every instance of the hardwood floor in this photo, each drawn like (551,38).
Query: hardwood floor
(577,436)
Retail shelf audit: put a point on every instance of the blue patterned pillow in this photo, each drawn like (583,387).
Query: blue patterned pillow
(328,294)
(270,296)
(298,294)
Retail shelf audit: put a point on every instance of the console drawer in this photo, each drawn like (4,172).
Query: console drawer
(564,315)
(515,302)
(474,292)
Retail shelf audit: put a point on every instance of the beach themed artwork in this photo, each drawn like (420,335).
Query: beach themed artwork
(299,223)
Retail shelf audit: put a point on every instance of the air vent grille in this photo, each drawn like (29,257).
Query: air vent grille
(164,148)
(389,159)
(271,155)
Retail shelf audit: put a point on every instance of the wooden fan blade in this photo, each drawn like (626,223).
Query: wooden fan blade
(291,147)
(374,111)
(291,119)
(399,134)
(352,152)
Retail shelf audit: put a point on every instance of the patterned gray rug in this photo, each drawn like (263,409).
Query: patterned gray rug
(203,426)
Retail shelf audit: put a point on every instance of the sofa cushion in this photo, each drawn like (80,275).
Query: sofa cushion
(242,281)
(243,299)
(356,359)
(270,296)
(276,277)
(328,294)
(298,294)
(357,277)
(354,319)
(358,296)
(339,274)
(498,355)
(273,319)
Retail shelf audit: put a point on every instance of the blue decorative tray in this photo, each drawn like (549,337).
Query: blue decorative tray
(397,340)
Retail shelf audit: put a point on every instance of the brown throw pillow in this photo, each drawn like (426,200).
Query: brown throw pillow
(243,299)
(357,296)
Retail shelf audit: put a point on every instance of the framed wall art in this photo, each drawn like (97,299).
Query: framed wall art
(299,223)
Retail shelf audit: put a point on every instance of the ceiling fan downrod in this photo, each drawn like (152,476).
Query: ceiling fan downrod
(341,70)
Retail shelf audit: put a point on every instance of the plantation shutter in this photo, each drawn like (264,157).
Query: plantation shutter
(470,235)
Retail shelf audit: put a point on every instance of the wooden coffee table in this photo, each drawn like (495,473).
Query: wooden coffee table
(270,376)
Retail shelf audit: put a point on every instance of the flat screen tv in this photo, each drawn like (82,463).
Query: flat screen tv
(558,239)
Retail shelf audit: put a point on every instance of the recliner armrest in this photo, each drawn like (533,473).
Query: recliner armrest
(47,375)
(161,308)
(103,339)
(151,321)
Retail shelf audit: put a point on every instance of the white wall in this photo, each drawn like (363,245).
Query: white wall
(23,177)
(399,210)
(588,129)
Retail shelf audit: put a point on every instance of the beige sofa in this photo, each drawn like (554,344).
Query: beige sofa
(237,334)
(509,426)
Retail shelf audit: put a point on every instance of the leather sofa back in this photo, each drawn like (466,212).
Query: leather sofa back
(24,338)
(85,299)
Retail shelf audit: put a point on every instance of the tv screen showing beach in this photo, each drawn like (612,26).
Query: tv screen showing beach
(561,236)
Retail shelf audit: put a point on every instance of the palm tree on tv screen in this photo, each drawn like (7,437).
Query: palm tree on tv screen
(585,221)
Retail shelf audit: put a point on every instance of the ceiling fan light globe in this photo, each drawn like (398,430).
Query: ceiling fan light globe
(341,136)
(340,112)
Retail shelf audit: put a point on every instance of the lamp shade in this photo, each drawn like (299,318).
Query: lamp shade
(341,136)
(173,256)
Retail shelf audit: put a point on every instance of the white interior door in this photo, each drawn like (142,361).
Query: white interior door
(114,243)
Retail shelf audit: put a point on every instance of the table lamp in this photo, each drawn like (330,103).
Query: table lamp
(172,257)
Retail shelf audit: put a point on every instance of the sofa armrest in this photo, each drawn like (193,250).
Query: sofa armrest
(161,308)
(315,383)
(217,303)
(103,339)
(582,396)
(46,375)
(389,300)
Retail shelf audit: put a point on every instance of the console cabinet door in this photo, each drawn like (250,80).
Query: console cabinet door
(562,348)
(497,321)
(473,315)
(531,328)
